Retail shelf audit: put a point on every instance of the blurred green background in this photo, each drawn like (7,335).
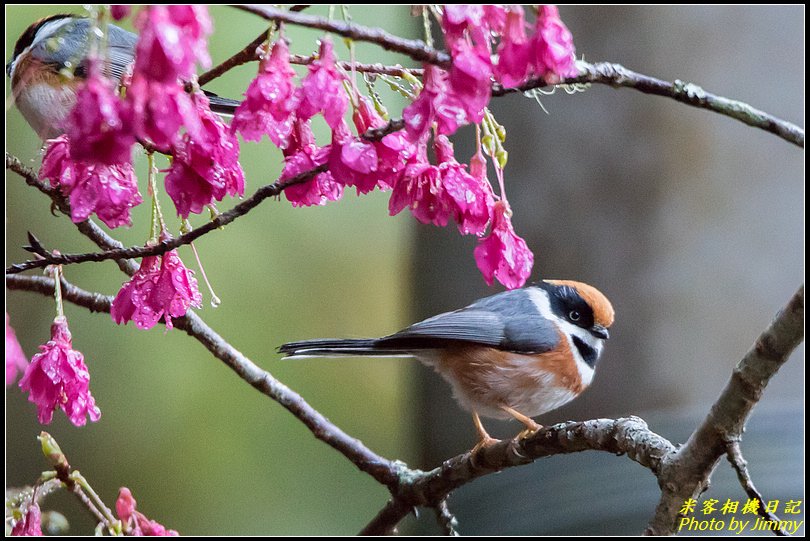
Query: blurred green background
(689,222)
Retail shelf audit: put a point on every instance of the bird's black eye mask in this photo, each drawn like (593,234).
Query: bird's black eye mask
(567,304)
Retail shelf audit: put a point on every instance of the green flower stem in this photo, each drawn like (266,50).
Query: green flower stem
(113,523)
(57,290)
(158,224)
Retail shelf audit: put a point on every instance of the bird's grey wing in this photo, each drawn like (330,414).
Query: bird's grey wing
(121,51)
(68,49)
(510,322)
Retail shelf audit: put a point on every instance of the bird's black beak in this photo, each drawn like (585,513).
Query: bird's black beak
(600,332)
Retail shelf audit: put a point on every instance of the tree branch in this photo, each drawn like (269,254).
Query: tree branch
(687,474)
(385,522)
(600,73)
(384,471)
(691,94)
(735,458)
(617,76)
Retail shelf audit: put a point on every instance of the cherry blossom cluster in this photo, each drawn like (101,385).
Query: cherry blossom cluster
(135,523)
(92,162)
(435,192)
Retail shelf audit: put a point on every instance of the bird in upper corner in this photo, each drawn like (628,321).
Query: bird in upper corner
(516,354)
(50,62)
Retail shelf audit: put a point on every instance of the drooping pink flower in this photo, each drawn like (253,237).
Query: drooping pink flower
(159,110)
(435,103)
(468,197)
(135,523)
(353,160)
(99,125)
(109,191)
(502,254)
(554,54)
(322,89)
(270,100)
(206,166)
(495,16)
(458,18)
(162,287)
(30,524)
(120,11)
(303,155)
(470,79)
(515,52)
(15,357)
(58,377)
(421,190)
(393,151)
(172,39)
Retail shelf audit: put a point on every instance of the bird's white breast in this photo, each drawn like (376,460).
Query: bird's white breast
(46,107)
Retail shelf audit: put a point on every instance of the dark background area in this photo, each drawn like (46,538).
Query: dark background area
(690,222)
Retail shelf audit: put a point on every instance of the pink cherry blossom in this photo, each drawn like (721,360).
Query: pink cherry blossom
(515,50)
(270,100)
(159,110)
(302,155)
(458,18)
(162,287)
(30,524)
(172,39)
(468,197)
(495,16)
(205,167)
(15,357)
(502,254)
(393,151)
(421,190)
(109,191)
(99,125)
(58,377)
(353,160)
(120,11)
(322,89)
(471,79)
(554,53)
(135,522)
(435,103)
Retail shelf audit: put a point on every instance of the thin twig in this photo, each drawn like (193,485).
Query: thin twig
(385,522)
(378,68)
(413,48)
(735,457)
(247,54)
(447,521)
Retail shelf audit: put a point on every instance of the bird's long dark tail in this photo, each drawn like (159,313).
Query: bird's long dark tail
(341,347)
(220,105)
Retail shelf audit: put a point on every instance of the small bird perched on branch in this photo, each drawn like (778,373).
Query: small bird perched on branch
(516,354)
(50,62)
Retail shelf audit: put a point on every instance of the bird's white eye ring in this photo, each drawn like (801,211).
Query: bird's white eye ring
(573,315)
